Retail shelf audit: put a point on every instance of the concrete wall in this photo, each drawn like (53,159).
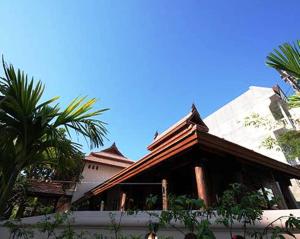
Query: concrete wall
(93,174)
(99,222)
(228,123)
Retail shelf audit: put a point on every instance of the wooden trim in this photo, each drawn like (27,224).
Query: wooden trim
(215,142)
(167,136)
(148,162)
(106,164)
(112,158)
(193,118)
(188,143)
(184,140)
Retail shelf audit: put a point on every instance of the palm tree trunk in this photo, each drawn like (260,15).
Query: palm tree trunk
(6,188)
(21,210)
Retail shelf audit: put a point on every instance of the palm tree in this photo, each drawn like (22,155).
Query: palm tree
(30,130)
(294,101)
(286,60)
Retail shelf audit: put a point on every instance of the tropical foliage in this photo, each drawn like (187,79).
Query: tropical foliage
(33,132)
(286,60)
(288,141)
(294,101)
(186,215)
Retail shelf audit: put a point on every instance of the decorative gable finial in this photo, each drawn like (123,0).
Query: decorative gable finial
(155,135)
(193,108)
(196,119)
(113,149)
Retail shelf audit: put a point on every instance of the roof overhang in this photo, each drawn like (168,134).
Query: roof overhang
(183,136)
(186,140)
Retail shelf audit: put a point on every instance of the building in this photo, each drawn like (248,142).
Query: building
(98,167)
(187,159)
(269,103)
(42,196)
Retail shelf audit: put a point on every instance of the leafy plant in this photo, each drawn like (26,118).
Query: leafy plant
(116,224)
(287,141)
(238,204)
(31,131)
(278,232)
(290,143)
(196,222)
(294,100)
(17,231)
(286,60)
(191,212)
(49,224)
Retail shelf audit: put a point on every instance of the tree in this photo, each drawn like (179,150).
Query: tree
(286,60)
(31,130)
(57,168)
(294,101)
(288,141)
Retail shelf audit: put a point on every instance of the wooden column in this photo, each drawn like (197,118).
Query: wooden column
(287,194)
(164,194)
(272,183)
(122,203)
(102,205)
(201,186)
(278,194)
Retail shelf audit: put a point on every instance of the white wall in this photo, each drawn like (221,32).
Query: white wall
(228,121)
(99,222)
(93,177)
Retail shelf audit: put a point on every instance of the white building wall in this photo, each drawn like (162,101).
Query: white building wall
(295,113)
(92,175)
(228,123)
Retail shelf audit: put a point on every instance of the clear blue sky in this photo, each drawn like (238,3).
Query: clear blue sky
(146,60)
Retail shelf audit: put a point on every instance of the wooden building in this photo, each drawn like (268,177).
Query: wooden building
(186,159)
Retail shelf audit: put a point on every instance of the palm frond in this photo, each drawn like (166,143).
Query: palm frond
(286,58)
(31,131)
(294,101)
(79,117)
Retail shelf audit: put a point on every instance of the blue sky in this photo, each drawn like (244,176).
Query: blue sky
(147,61)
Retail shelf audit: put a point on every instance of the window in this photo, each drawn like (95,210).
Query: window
(96,167)
(93,167)
(89,166)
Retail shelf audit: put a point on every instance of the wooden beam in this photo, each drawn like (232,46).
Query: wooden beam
(164,190)
(201,184)
(122,203)
(155,157)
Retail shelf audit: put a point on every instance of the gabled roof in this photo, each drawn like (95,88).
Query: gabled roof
(186,133)
(192,118)
(109,156)
(113,149)
(48,188)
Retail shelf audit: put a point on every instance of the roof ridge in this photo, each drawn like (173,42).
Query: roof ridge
(113,149)
(193,117)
